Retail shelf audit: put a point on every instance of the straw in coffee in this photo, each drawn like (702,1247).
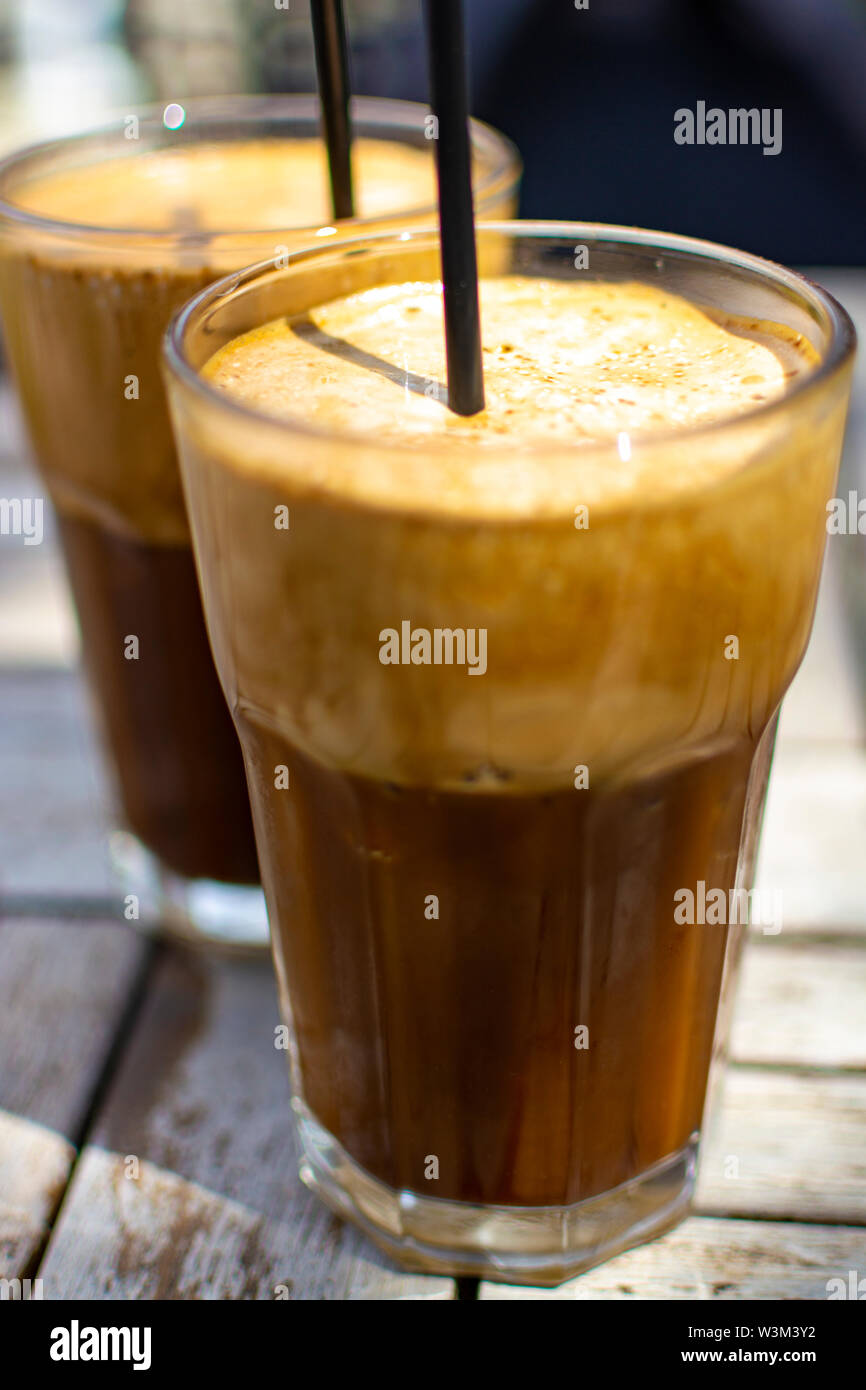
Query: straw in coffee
(332,66)
(456,226)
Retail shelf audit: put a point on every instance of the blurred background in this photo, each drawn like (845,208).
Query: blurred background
(587,94)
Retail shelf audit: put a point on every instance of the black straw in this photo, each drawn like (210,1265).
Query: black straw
(456,226)
(332,65)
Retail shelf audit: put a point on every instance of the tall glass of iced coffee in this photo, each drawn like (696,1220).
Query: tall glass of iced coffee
(506,689)
(102,237)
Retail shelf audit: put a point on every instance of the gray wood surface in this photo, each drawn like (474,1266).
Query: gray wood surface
(54,816)
(813,846)
(35,1164)
(715,1259)
(787,1145)
(802,1003)
(201,1100)
(64,989)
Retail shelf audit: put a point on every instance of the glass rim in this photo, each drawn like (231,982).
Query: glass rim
(841,348)
(406,117)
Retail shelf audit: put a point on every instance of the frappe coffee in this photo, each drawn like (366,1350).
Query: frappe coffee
(108,243)
(498,1024)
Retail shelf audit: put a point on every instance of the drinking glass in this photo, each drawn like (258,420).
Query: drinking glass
(84,308)
(500,1024)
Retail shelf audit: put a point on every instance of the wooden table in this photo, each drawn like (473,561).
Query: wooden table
(145,1143)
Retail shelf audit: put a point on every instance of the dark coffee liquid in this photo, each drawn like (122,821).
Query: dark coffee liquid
(454,1036)
(174,746)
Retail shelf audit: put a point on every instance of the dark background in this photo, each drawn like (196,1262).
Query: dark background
(588,95)
(589,99)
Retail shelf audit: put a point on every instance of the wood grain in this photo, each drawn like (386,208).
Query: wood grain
(35,1163)
(711,1259)
(54,806)
(812,846)
(64,988)
(802,1003)
(216,1210)
(788,1146)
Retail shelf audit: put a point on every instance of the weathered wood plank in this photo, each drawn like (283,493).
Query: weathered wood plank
(37,620)
(801,1003)
(788,1146)
(63,989)
(826,702)
(35,1163)
(54,804)
(217,1210)
(717,1260)
(813,837)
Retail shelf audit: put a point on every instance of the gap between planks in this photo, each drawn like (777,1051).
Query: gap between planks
(65,996)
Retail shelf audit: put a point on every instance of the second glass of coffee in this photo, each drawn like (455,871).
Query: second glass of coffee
(102,237)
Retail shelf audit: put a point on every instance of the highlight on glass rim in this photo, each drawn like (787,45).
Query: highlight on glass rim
(432,669)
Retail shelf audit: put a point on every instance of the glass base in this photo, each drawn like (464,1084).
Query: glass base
(517,1245)
(200,912)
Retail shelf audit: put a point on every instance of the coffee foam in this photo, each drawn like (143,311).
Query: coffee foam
(212,187)
(567,366)
(606,641)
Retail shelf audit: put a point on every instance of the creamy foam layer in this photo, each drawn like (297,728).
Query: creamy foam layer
(213,187)
(565,363)
(607,643)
